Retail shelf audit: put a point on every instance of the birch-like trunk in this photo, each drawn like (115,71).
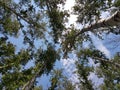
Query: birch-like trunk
(114,20)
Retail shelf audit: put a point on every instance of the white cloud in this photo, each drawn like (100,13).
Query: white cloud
(99,45)
(69,4)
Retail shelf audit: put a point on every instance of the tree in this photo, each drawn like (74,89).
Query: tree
(34,21)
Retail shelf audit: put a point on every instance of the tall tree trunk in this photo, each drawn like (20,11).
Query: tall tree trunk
(114,20)
(30,83)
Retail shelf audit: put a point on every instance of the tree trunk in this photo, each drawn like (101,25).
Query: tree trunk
(114,20)
(30,83)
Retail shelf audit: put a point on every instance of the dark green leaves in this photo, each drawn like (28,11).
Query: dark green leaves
(117,3)
(47,57)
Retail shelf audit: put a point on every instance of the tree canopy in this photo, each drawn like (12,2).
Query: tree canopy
(39,26)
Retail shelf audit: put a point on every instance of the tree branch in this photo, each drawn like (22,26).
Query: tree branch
(13,11)
(18,14)
(107,61)
(5,66)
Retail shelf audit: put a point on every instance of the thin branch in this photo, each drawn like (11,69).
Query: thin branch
(5,66)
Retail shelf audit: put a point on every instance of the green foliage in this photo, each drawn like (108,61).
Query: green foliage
(7,49)
(59,81)
(108,69)
(11,26)
(10,66)
(68,44)
(88,9)
(117,3)
(111,74)
(37,88)
(83,72)
(88,53)
(56,21)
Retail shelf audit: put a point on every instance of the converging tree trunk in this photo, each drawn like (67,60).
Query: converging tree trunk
(37,32)
(114,20)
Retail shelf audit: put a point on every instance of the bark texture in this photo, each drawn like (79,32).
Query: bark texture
(114,20)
